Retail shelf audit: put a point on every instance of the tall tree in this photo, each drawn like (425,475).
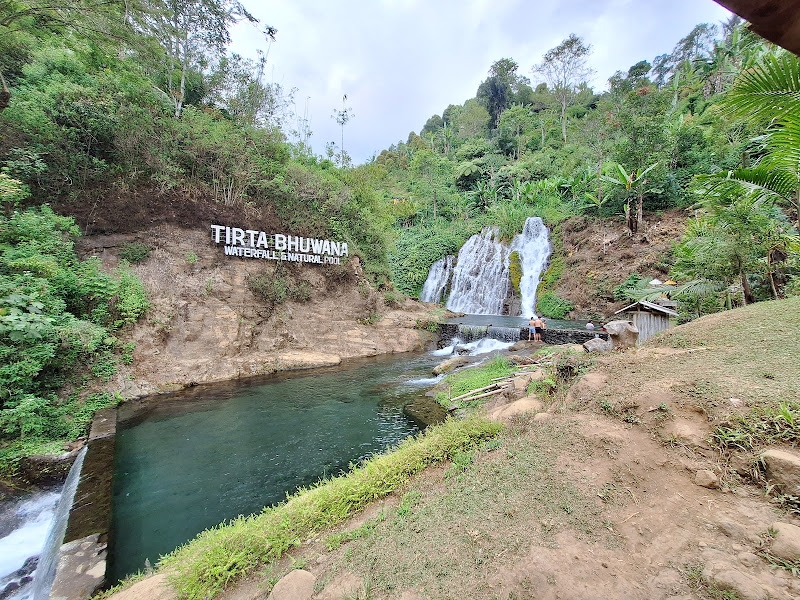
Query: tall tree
(770,93)
(497,91)
(101,21)
(342,117)
(192,32)
(564,68)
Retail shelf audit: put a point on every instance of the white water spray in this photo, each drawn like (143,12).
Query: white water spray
(533,247)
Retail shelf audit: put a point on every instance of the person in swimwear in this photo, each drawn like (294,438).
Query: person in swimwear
(531,327)
(538,327)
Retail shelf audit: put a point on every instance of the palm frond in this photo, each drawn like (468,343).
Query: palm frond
(700,287)
(783,143)
(769,91)
(762,181)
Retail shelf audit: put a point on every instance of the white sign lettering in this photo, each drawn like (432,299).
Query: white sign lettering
(248,243)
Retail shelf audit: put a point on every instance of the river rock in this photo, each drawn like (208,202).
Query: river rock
(426,411)
(506,411)
(296,585)
(707,479)
(783,468)
(787,541)
(624,334)
(597,345)
(451,364)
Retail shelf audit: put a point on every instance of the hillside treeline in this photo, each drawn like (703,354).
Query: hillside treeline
(712,126)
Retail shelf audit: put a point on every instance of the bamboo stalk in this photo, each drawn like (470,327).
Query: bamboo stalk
(492,393)
(493,385)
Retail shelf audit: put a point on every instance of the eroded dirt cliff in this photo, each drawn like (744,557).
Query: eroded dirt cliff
(206,324)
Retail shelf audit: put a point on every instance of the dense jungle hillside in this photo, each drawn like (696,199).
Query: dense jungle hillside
(119,118)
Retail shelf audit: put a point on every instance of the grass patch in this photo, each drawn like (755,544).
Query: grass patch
(473,378)
(216,557)
(332,542)
(503,500)
(704,588)
(761,426)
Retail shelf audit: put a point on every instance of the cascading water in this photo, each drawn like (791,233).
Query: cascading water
(48,561)
(438,279)
(533,246)
(480,278)
(479,282)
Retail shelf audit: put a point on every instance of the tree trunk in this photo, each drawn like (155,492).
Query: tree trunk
(564,121)
(747,292)
(639,202)
(5,94)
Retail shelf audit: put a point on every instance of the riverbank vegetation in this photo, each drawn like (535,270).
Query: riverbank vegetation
(60,320)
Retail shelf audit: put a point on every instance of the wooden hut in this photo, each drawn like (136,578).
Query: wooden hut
(649,318)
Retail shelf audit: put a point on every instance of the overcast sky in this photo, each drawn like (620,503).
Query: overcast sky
(402,61)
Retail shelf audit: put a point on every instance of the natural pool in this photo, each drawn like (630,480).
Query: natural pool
(190,460)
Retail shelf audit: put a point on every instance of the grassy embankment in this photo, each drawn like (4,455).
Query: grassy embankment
(201,568)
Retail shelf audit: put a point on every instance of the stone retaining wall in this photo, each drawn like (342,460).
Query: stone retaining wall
(447,331)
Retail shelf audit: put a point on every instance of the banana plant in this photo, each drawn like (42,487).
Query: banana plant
(634,184)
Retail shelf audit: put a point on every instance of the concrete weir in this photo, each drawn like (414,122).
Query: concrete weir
(549,336)
(83,556)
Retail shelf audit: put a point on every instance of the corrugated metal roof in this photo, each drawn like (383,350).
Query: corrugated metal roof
(649,306)
(776,20)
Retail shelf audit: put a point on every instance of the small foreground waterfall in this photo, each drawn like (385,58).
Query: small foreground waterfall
(533,246)
(480,282)
(438,279)
(48,561)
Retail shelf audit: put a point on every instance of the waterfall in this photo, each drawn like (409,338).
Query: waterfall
(533,247)
(479,282)
(480,278)
(48,561)
(438,280)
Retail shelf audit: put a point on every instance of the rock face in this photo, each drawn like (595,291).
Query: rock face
(44,470)
(623,334)
(783,468)
(451,364)
(207,324)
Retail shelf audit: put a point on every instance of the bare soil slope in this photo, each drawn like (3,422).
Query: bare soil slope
(601,254)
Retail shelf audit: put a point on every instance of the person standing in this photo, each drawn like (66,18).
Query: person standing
(538,327)
(531,327)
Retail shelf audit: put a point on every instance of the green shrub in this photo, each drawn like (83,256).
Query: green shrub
(393,298)
(134,252)
(515,270)
(550,305)
(633,282)
(56,318)
(271,288)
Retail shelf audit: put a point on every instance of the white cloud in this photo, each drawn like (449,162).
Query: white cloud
(402,61)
